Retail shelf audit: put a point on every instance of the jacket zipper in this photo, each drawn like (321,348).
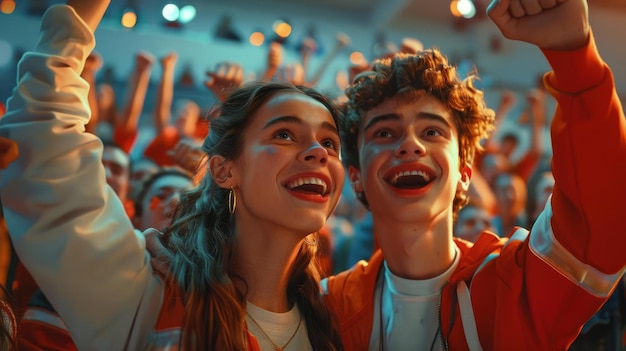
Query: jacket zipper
(444,343)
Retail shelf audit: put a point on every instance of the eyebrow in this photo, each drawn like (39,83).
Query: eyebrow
(396,117)
(297,120)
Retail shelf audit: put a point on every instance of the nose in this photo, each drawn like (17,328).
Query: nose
(410,146)
(174,199)
(315,153)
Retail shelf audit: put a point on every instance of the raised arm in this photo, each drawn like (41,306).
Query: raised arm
(506,104)
(127,121)
(165,94)
(90,12)
(581,233)
(226,77)
(67,225)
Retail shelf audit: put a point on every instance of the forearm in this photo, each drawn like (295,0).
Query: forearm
(589,165)
(165,96)
(90,11)
(135,99)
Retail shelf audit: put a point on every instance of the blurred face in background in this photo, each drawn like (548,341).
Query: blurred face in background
(117,169)
(471,222)
(142,169)
(493,164)
(160,201)
(543,190)
(186,113)
(511,194)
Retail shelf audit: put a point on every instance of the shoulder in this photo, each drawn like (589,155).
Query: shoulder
(362,274)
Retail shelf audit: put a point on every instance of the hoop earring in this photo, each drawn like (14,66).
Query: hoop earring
(232,201)
(314,241)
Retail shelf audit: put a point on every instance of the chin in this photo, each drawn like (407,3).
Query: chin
(312,225)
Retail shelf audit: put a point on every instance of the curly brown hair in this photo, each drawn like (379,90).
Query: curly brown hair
(407,74)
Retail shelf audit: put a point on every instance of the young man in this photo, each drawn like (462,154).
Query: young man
(411,133)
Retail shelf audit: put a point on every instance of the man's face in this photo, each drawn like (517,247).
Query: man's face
(409,153)
(510,192)
(472,222)
(187,113)
(142,170)
(160,201)
(543,190)
(116,164)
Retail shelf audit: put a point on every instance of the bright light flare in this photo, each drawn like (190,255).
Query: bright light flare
(170,12)
(257,38)
(187,14)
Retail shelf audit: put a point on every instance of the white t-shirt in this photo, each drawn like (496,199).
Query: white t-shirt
(410,311)
(279,327)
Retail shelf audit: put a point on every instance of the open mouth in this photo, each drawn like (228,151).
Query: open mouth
(308,185)
(412,179)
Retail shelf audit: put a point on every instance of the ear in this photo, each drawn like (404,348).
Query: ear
(466,177)
(355,179)
(221,171)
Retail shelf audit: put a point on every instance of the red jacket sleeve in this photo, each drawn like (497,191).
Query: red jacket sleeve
(589,164)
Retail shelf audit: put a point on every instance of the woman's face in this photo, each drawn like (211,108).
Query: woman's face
(289,175)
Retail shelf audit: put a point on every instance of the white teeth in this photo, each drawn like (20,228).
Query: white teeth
(408,173)
(301,181)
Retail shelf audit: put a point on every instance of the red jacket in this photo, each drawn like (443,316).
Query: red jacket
(42,328)
(535,294)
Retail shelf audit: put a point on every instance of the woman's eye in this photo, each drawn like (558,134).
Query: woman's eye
(283,134)
(384,134)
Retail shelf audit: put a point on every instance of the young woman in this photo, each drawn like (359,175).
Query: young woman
(242,275)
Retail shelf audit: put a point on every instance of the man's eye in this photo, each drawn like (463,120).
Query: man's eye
(331,144)
(384,134)
(433,132)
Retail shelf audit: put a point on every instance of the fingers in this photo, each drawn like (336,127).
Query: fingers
(293,73)
(187,155)
(411,46)
(499,12)
(8,152)
(548,4)
(234,74)
(275,55)
(532,7)
(226,76)
(523,8)
(160,257)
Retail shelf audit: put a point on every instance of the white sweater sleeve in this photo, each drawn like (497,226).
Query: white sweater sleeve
(69,228)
